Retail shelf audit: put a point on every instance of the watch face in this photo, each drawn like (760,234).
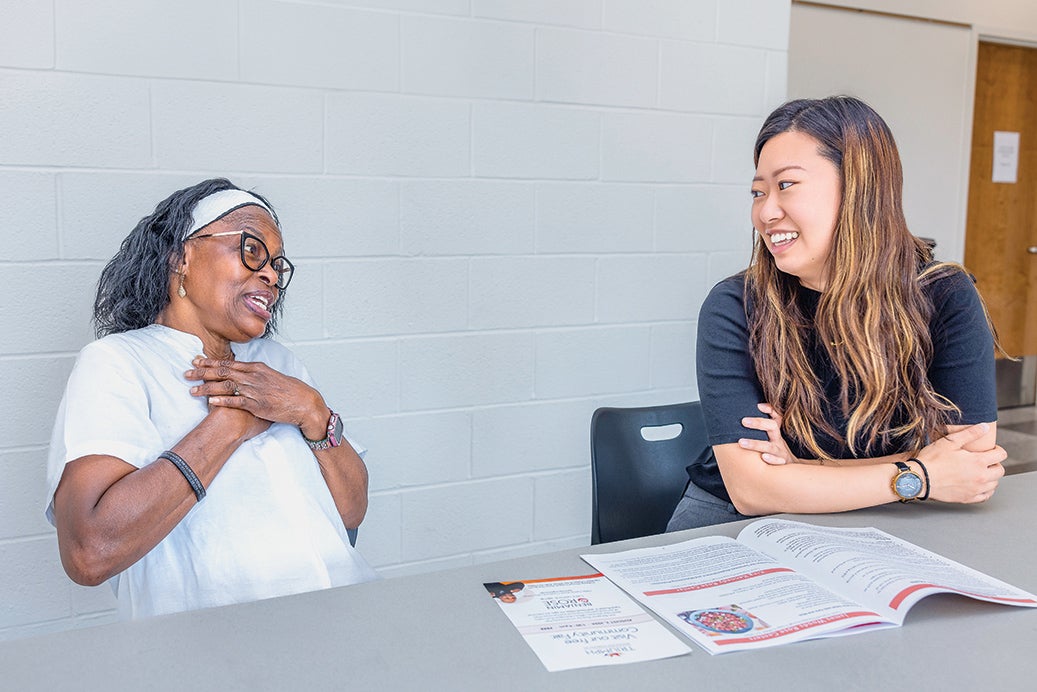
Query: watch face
(335,430)
(908,485)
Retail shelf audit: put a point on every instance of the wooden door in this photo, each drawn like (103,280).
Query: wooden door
(1001,226)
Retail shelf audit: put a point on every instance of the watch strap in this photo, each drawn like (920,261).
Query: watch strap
(925,473)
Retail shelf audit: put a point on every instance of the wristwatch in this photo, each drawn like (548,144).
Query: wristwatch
(906,484)
(332,439)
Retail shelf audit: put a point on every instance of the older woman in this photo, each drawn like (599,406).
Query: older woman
(193,461)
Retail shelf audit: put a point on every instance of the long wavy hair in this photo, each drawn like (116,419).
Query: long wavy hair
(872,318)
(134,286)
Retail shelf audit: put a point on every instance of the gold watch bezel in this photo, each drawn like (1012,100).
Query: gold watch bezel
(904,470)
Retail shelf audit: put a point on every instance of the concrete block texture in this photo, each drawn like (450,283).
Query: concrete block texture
(379,539)
(450,7)
(585,14)
(732,137)
(496,512)
(777,79)
(58,325)
(319,46)
(531,291)
(581,218)
(761,23)
(356,218)
(656,147)
(29,201)
(703,218)
(435,448)
(220,127)
(464,58)
(651,288)
(98,209)
(21,513)
(671,364)
(595,360)
(302,314)
(357,378)
(27,33)
(596,68)
(72,120)
(534,141)
(466,217)
(399,296)
(710,78)
(465,370)
(389,135)
(531,437)
(35,586)
(695,21)
(40,383)
(187,39)
(562,504)
(504,214)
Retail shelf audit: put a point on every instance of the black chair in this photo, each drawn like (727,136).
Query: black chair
(637,481)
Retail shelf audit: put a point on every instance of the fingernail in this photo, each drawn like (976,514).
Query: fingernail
(743,443)
(194,390)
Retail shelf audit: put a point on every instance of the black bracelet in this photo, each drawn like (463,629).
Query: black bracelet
(192,479)
(925,473)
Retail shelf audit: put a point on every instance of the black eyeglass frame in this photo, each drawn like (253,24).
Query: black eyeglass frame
(245,235)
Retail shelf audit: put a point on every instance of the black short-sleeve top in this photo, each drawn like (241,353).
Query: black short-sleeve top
(962,368)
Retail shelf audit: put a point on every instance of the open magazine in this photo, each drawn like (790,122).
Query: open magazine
(783,581)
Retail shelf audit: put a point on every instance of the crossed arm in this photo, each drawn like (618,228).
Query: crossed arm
(964,467)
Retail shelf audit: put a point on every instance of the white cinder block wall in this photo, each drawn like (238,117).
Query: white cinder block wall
(505,213)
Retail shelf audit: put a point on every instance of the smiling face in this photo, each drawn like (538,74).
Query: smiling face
(796,198)
(225,300)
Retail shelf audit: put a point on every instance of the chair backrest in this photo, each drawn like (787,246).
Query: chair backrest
(637,481)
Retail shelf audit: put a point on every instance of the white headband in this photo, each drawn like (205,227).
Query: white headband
(219,204)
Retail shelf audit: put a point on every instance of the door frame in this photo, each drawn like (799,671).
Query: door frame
(986,35)
(1016,379)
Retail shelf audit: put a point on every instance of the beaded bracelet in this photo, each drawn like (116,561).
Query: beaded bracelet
(925,473)
(192,479)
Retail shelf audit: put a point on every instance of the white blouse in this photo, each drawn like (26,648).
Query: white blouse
(267,526)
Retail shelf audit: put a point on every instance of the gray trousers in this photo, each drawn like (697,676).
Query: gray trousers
(700,508)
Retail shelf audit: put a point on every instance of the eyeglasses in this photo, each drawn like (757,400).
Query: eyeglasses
(255,255)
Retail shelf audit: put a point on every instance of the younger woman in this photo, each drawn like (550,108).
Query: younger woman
(872,366)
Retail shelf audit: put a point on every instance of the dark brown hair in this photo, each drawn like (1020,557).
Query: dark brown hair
(872,318)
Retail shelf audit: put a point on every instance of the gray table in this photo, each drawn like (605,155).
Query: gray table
(441,631)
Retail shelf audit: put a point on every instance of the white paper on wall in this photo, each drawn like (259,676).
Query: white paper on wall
(1006,157)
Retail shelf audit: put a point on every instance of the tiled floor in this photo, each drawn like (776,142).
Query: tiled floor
(1017,433)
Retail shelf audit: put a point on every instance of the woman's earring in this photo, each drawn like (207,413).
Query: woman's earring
(181,291)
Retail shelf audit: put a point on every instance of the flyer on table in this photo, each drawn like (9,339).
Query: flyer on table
(583,621)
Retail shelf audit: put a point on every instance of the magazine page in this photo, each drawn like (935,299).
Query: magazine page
(726,596)
(577,622)
(871,567)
